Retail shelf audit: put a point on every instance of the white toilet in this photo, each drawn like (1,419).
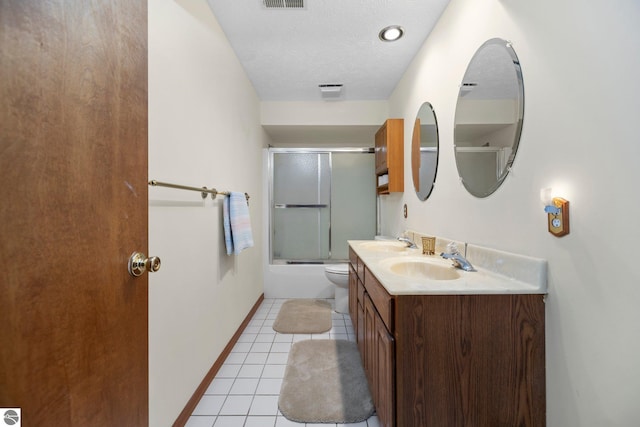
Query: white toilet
(338,274)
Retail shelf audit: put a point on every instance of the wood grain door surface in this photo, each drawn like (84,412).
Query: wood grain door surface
(73,207)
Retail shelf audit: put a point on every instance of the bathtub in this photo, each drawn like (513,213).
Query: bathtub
(296,281)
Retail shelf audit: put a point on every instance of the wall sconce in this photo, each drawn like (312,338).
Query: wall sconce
(557,210)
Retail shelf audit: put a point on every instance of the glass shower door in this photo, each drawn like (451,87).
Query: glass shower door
(301,206)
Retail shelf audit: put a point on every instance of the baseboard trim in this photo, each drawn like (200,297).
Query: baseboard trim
(202,388)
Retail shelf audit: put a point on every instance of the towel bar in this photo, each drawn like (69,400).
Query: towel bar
(204,191)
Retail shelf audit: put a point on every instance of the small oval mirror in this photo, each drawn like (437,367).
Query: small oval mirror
(488,119)
(424,151)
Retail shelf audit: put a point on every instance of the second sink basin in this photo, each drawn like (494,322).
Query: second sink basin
(421,268)
(385,246)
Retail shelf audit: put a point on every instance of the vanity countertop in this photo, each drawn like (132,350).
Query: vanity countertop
(497,272)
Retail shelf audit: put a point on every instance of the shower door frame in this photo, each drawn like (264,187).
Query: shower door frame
(272,206)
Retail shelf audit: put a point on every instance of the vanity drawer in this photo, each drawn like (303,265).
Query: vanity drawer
(353,258)
(380,298)
(360,270)
(360,293)
(357,263)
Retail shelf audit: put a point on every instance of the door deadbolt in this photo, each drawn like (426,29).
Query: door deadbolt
(139,263)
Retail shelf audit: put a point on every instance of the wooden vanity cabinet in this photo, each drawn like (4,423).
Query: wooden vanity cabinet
(372,315)
(450,360)
(389,156)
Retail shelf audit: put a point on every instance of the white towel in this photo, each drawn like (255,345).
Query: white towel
(237,224)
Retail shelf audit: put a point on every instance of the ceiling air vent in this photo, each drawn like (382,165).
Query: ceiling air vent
(283,4)
(330,91)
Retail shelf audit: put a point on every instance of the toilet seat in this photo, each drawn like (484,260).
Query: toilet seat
(342,269)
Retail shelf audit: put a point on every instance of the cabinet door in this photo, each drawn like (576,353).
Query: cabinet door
(353,297)
(381,150)
(360,329)
(369,346)
(385,374)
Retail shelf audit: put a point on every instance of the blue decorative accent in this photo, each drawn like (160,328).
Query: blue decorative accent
(552,210)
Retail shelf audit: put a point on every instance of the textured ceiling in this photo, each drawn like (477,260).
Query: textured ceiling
(287,53)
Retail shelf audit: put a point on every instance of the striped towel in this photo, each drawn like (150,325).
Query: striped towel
(237,224)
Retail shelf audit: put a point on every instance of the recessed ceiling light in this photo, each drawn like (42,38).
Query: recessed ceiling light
(391,33)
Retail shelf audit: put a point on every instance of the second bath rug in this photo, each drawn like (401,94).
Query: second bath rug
(324,382)
(303,316)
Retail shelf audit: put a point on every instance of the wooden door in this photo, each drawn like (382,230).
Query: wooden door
(73,207)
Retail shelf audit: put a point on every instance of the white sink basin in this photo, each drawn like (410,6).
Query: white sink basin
(421,268)
(384,246)
(424,270)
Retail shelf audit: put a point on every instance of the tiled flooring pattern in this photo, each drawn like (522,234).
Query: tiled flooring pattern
(245,391)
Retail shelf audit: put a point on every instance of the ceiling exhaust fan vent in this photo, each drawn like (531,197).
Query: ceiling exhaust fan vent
(330,91)
(283,4)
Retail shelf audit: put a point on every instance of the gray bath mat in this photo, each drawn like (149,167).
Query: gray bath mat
(303,316)
(324,382)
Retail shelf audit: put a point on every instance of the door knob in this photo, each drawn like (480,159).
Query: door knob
(139,263)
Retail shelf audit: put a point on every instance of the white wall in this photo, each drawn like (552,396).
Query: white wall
(204,129)
(580,62)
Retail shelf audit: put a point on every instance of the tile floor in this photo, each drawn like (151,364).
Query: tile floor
(245,391)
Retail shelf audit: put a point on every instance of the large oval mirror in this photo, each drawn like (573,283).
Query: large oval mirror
(424,151)
(488,119)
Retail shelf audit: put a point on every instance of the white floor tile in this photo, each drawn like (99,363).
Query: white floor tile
(267,329)
(264,405)
(269,386)
(283,338)
(324,336)
(250,371)
(256,359)
(373,421)
(220,386)
(254,329)
(209,405)
(245,386)
(261,347)
(236,358)
(277,358)
(200,421)
(241,347)
(230,421)
(337,330)
(266,337)
(236,405)
(228,371)
(283,422)
(260,421)
(273,371)
(281,347)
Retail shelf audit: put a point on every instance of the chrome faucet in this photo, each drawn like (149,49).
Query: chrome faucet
(458,260)
(409,242)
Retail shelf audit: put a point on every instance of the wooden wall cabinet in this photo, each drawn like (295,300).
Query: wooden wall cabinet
(450,360)
(389,157)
